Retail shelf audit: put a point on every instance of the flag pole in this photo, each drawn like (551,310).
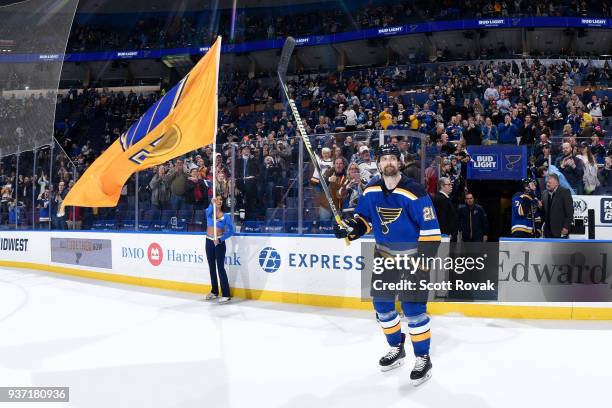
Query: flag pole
(214,161)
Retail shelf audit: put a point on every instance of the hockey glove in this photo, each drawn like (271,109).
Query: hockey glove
(356,227)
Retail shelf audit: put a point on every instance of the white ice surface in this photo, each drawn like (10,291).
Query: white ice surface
(123,346)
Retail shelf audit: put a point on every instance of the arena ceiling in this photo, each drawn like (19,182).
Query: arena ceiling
(140,6)
(143,6)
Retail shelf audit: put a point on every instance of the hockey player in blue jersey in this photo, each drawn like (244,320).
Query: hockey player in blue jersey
(526,212)
(401,214)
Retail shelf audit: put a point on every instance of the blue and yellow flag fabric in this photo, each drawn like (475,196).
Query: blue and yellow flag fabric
(183,120)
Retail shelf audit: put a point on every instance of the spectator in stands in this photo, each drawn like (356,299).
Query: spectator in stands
(58,214)
(445,209)
(473,221)
(42,182)
(353,188)
(160,192)
(574,103)
(25,192)
(351,118)
(176,178)
(491,93)
(542,127)
(281,155)
(558,209)
(544,141)
(385,118)
(597,148)
(594,107)
(42,204)
(490,133)
(412,168)
(271,178)
(348,148)
(605,177)
(248,173)
(478,108)
(504,104)
(454,130)
(545,158)
(606,112)
(444,146)
(438,132)
(336,178)
(473,133)
(340,120)
(508,133)
(15,214)
(451,169)
(572,168)
(196,190)
(367,166)
(528,134)
(325,161)
(224,187)
(590,180)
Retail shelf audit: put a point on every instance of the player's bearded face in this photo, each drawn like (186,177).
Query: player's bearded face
(389,165)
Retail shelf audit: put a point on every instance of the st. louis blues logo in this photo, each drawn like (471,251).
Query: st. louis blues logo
(153,117)
(512,160)
(387,216)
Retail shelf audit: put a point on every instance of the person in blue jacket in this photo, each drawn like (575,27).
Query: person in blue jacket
(215,248)
(507,131)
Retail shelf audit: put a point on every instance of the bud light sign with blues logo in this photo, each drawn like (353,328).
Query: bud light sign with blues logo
(501,162)
(269,260)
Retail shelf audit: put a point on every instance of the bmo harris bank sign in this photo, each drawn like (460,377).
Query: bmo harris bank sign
(498,162)
(166,254)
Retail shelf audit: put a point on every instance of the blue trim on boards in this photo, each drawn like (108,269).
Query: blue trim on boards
(239,234)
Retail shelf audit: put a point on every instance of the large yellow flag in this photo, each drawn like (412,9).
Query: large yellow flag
(183,120)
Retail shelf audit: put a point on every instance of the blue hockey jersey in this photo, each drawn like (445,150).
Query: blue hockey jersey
(523,217)
(400,218)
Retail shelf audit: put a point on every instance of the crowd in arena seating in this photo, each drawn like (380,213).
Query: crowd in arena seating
(488,103)
(250,24)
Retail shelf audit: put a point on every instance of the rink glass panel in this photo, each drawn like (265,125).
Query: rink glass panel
(280,198)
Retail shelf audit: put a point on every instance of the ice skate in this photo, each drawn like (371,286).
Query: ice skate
(421,371)
(394,357)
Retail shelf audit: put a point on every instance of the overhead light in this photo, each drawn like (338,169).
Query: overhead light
(180,60)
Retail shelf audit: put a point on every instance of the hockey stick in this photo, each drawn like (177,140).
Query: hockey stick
(282,73)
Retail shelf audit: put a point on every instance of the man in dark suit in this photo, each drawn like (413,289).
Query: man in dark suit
(445,209)
(247,173)
(473,222)
(558,209)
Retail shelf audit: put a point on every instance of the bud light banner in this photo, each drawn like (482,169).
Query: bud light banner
(500,162)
